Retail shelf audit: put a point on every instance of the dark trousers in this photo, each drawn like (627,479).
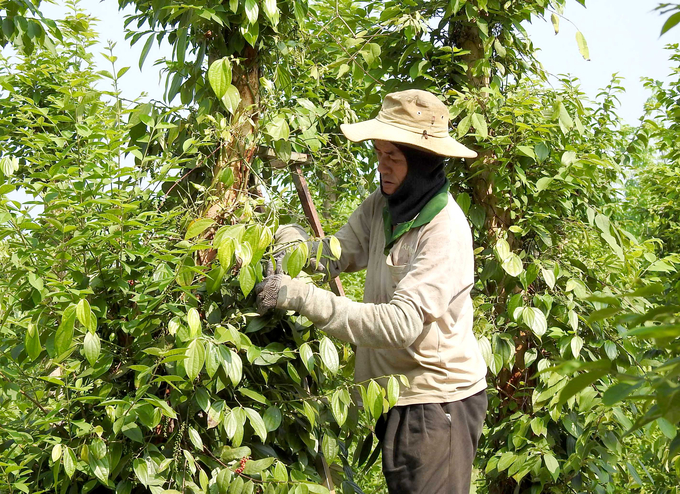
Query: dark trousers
(429,448)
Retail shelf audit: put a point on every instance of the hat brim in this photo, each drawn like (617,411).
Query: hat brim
(375,129)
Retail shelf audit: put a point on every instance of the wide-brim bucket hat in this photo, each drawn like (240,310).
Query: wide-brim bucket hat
(413,117)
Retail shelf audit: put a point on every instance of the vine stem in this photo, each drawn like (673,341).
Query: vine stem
(32,400)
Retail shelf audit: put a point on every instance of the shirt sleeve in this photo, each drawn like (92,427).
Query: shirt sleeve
(439,272)
(354,238)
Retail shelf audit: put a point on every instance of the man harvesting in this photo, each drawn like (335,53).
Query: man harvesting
(416,319)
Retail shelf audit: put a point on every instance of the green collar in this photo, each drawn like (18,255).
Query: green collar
(429,211)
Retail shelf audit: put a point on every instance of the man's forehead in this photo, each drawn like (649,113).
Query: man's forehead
(385,146)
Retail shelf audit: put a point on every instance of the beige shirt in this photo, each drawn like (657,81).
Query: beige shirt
(416,318)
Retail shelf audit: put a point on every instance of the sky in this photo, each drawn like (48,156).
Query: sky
(623,37)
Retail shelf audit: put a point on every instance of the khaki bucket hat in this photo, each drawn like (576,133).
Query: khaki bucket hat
(413,117)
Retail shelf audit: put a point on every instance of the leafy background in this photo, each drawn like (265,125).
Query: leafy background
(131,357)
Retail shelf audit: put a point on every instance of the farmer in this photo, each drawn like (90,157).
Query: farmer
(416,318)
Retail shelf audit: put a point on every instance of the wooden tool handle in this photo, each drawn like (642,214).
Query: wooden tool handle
(312,216)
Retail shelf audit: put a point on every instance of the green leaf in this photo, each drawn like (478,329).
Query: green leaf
(661,266)
(64,335)
(309,412)
(69,462)
(477,216)
(456,5)
(195,358)
(32,342)
(513,265)
(223,481)
(336,248)
(225,253)
(226,177)
(252,11)
(549,277)
(580,382)
(272,418)
(91,347)
(375,400)
(194,322)
(464,202)
(556,26)
(197,227)
(296,260)
(565,120)
(307,356)
(253,467)
(257,423)
(543,183)
(573,320)
(392,391)
(500,49)
(339,406)
(464,126)
(231,99)
(619,392)
(659,331)
(552,465)
(535,319)
(582,45)
(633,472)
(576,345)
(670,23)
(667,428)
(542,151)
(479,123)
(329,447)
(195,438)
(100,468)
(141,470)
(145,51)
(506,460)
(219,76)
(253,395)
(526,151)
(35,281)
(278,128)
(329,355)
(132,431)
(212,359)
(502,249)
(485,349)
(232,363)
(246,279)
(56,452)
(271,11)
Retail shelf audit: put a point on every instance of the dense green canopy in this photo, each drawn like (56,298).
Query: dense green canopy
(131,356)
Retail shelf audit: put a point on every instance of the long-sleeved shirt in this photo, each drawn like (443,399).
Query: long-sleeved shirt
(416,317)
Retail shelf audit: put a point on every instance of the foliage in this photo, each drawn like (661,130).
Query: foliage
(653,184)
(24,26)
(131,358)
(674,19)
(123,362)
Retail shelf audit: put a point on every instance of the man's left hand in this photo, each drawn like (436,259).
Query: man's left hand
(267,293)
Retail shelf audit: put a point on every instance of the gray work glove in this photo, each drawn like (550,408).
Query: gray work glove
(276,259)
(267,292)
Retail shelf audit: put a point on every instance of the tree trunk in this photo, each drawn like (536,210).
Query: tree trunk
(236,152)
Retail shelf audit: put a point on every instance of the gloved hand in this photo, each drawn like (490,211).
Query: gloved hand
(278,261)
(267,292)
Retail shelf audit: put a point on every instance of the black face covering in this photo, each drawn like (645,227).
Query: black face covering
(424,178)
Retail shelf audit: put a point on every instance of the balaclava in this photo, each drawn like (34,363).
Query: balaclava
(424,178)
